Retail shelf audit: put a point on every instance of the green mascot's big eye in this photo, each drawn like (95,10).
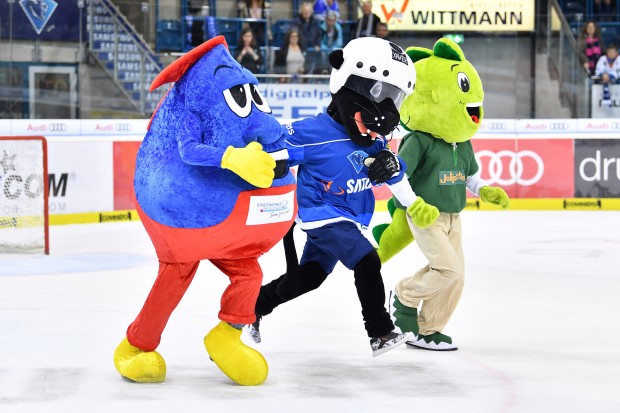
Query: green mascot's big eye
(463,81)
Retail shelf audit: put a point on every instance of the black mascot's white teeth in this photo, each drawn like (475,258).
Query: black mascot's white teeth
(281,158)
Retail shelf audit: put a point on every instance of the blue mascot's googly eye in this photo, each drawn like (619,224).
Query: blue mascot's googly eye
(238,100)
(463,82)
(240,97)
(259,101)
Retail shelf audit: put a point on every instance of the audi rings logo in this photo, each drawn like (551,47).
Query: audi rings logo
(508,168)
(558,126)
(57,127)
(123,127)
(495,125)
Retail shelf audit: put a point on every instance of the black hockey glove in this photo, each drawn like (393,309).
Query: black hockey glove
(382,166)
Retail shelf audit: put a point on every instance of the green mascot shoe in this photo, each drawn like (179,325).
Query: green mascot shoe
(404,317)
(138,365)
(394,237)
(242,364)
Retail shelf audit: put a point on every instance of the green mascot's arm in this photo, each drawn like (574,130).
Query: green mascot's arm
(490,194)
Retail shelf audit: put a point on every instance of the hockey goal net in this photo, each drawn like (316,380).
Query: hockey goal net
(24,221)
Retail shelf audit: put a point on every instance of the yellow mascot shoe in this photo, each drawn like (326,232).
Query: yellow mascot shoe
(139,365)
(242,364)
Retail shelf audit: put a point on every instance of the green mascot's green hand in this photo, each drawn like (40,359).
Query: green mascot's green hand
(422,214)
(250,163)
(495,195)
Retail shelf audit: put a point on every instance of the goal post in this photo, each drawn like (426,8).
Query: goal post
(24,194)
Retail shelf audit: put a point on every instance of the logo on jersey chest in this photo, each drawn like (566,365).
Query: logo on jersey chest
(358,185)
(357,160)
(451,178)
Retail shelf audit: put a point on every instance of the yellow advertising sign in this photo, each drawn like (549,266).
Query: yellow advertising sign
(456,15)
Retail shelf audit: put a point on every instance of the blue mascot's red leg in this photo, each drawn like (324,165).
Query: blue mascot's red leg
(239,299)
(241,363)
(172,281)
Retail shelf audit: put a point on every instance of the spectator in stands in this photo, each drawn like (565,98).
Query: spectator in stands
(256,9)
(290,58)
(603,10)
(608,69)
(590,46)
(196,22)
(310,32)
(247,53)
(331,33)
(331,39)
(308,26)
(321,7)
(382,31)
(366,26)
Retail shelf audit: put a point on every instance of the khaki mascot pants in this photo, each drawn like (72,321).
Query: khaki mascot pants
(438,285)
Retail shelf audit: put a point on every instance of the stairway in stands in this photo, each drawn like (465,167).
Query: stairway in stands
(124,55)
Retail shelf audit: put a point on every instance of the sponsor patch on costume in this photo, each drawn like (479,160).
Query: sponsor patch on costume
(451,177)
(357,160)
(398,53)
(271,209)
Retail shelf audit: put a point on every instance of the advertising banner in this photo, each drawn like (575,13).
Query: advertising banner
(456,15)
(529,168)
(536,168)
(115,127)
(80,176)
(124,167)
(21,178)
(46,127)
(47,20)
(597,168)
(296,101)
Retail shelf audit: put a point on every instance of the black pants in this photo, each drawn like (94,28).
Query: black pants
(300,279)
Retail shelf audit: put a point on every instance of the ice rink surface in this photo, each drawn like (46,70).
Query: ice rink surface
(538,328)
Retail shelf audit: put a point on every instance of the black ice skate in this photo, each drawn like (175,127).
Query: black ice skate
(387,342)
(254,329)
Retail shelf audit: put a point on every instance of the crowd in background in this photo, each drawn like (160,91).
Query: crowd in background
(312,35)
(599,60)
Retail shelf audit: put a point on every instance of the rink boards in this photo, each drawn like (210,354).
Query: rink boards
(562,164)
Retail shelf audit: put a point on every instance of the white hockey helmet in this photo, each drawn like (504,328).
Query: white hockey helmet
(375,59)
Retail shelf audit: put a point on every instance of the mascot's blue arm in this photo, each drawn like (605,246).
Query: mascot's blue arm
(191,148)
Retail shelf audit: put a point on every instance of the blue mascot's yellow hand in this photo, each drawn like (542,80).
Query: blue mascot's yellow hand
(250,163)
(495,195)
(422,214)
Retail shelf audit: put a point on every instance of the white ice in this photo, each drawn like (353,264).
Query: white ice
(537,327)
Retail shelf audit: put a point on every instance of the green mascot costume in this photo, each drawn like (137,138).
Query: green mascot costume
(441,116)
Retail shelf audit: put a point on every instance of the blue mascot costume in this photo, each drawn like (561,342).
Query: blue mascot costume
(212,182)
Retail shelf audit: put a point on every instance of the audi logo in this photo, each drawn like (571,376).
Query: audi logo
(123,127)
(495,125)
(57,127)
(558,126)
(514,162)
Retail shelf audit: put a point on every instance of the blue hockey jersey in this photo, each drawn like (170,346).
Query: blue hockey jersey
(332,180)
